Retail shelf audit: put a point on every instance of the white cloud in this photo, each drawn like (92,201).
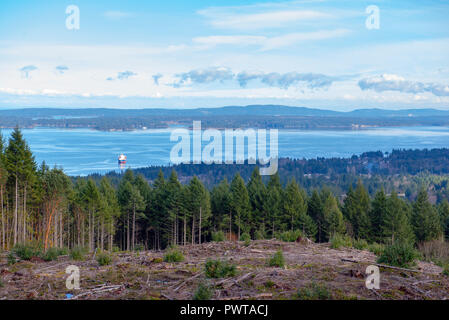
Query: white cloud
(270,43)
(263,20)
(392,82)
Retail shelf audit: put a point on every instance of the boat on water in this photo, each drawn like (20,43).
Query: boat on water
(122,159)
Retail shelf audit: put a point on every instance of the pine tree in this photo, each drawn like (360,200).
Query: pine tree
(443,210)
(257,193)
(241,206)
(55,186)
(111,211)
(93,202)
(333,218)
(21,167)
(377,216)
(396,225)
(3,180)
(356,210)
(174,204)
(199,207)
(316,212)
(158,209)
(221,207)
(273,203)
(425,219)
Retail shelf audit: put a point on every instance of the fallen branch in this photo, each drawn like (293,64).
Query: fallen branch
(384,266)
(237,281)
(101,289)
(187,280)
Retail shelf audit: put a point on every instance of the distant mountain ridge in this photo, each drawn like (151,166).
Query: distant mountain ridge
(250,110)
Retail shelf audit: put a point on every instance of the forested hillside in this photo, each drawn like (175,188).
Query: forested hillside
(404,171)
(44,206)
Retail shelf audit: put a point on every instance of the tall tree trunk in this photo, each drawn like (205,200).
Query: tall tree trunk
(24,213)
(3,219)
(16,208)
(230,225)
(199,229)
(239,228)
(102,235)
(185,230)
(193,230)
(134,227)
(127,232)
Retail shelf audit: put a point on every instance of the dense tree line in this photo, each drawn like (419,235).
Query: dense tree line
(43,205)
(405,171)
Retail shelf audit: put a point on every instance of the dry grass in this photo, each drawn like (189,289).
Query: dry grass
(144,275)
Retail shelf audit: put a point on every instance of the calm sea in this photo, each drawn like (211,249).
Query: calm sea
(84,151)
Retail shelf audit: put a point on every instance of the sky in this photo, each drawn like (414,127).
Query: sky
(339,55)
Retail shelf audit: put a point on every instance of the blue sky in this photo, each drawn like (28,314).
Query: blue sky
(135,54)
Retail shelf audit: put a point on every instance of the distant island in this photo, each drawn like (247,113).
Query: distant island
(252,116)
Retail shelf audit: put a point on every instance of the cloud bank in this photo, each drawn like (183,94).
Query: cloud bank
(26,71)
(391,82)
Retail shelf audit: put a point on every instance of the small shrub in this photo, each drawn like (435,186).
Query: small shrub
(218,236)
(399,254)
(314,291)
(446,270)
(1,283)
(11,258)
(203,292)
(77,253)
(173,255)
(376,248)
(337,241)
(26,251)
(115,249)
(360,244)
(289,236)
(51,254)
(245,237)
(104,259)
(259,235)
(269,284)
(139,247)
(436,251)
(277,260)
(219,269)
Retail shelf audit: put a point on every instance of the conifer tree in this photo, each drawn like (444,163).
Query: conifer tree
(315,211)
(425,219)
(241,206)
(356,209)
(3,180)
(199,207)
(443,210)
(273,203)
(396,225)
(333,217)
(377,215)
(221,207)
(257,193)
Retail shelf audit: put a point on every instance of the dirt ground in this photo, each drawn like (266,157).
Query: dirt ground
(143,275)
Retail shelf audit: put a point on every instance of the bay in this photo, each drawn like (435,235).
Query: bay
(85,151)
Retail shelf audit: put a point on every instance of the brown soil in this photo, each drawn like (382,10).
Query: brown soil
(143,275)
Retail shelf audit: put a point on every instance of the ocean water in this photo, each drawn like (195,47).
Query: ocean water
(84,151)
